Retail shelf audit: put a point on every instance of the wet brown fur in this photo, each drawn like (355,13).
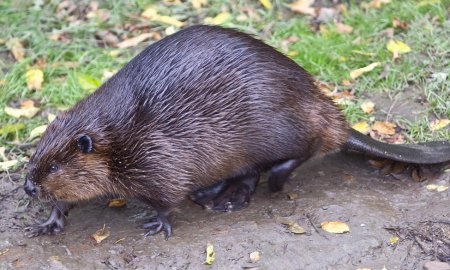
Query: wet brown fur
(197,107)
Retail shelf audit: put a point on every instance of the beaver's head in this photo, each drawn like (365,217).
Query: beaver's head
(70,163)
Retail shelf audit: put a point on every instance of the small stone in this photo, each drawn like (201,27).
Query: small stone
(435,265)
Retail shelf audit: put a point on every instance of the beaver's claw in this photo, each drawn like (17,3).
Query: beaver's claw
(158,224)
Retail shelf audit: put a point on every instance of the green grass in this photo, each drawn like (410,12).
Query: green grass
(327,54)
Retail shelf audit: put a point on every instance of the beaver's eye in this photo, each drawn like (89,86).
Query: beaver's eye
(54,168)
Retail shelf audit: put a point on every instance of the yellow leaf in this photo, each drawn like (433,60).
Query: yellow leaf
(101,234)
(131,42)
(210,254)
(362,127)
(198,4)
(438,188)
(368,106)
(37,132)
(335,227)
(116,203)
(35,78)
(296,229)
(51,117)
(255,256)
(26,110)
(358,72)
(303,7)
(220,18)
(378,3)
(5,165)
(385,128)
(151,14)
(439,124)
(394,240)
(397,47)
(266,3)
(16,48)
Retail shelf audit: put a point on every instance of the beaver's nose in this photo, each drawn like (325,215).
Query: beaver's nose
(30,188)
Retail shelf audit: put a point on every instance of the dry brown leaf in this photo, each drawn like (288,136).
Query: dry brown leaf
(292,196)
(343,28)
(362,127)
(116,203)
(303,7)
(335,227)
(101,234)
(132,42)
(34,78)
(368,106)
(358,72)
(439,124)
(255,256)
(15,45)
(26,110)
(396,23)
(385,128)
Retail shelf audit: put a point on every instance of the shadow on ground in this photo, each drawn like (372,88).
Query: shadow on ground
(337,187)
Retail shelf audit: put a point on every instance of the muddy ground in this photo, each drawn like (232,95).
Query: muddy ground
(339,187)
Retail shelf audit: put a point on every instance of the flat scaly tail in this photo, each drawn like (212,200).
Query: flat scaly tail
(422,153)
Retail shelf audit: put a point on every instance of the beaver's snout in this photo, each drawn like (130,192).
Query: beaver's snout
(30,188)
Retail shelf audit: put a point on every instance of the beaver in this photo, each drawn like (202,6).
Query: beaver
(202,112)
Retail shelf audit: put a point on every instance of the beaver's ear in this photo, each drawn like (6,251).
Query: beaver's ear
(84,144)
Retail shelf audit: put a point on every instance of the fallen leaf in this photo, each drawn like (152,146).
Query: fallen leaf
(11,128)
(394,240)
(26,110)
(34,78)
(108,74)
(116,203)
(428,2)
(377,3)
(5,165)
(296,229)
(303,7)
(368,106)
(385,128)
(397,48)
(438,188)
(37,132)
(335,227)
(396,23)
(132,42)
(210,254)
(101,234)
(16,48)
(108,38)
(3,252)
(151,14)
(439,124)
(170,30)
(362,127)
(255,256)
(198,4)
(266,3)
(358,72)
(51,117)
(292,196)
(220,18)
(343,28)
(100,14)
(87,82)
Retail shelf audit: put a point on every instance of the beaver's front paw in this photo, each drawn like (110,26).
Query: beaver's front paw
(45,228)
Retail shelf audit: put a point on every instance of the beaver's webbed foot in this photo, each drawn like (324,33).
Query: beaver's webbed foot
(157,224)
(53,225)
